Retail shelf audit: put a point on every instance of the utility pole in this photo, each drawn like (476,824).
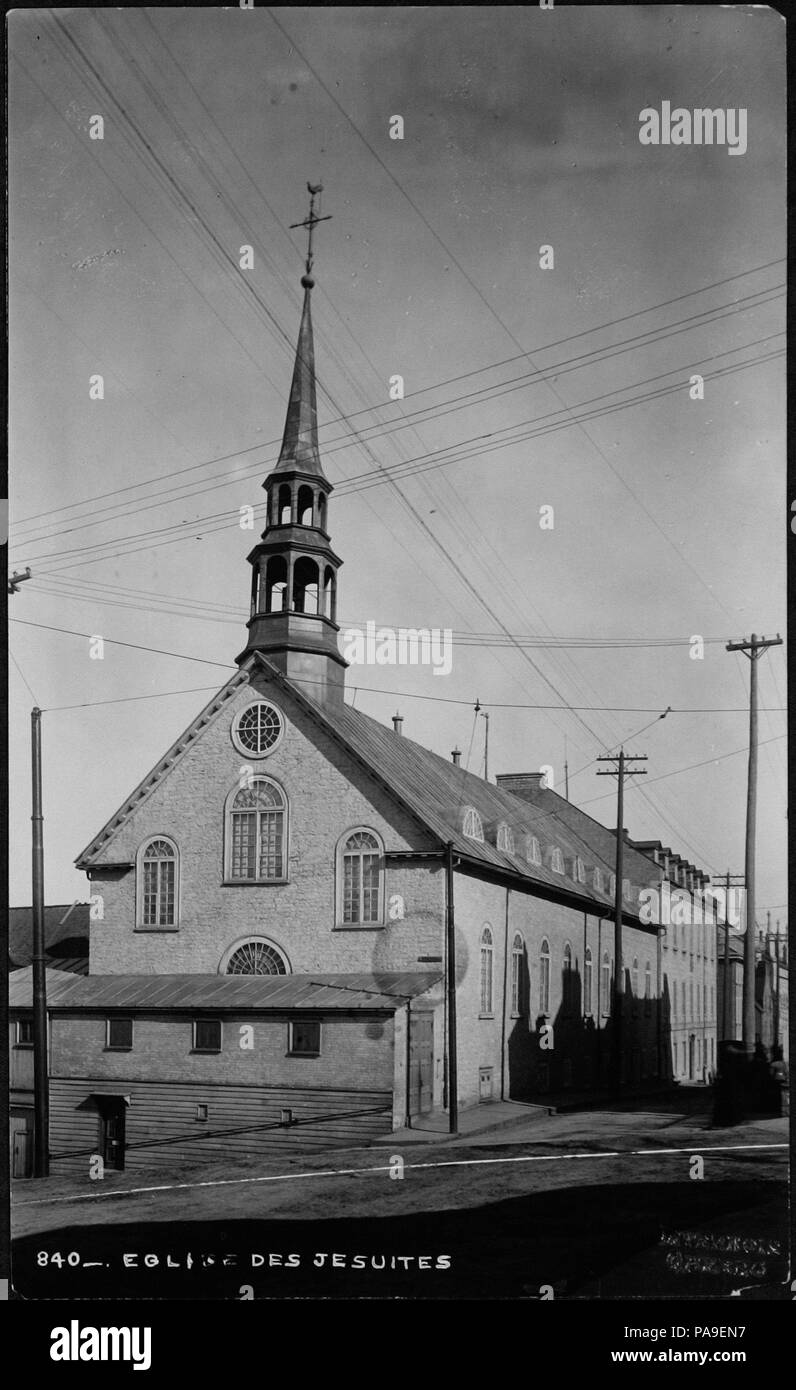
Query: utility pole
(41,1146)
(566,770)
(450,981)
(726,1031)
(620,771)
(754,649)
(484,715)
(17,579)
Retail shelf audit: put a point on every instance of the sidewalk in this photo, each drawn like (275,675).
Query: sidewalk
(476,1119)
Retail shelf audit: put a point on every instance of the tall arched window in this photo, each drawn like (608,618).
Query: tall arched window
(158,864)
(533,852)
(305,586)
(557,861)
(305,505)
(487,960)
(472,825)
(285,505)
(360,891)
(328,593)
(276,584)
(567,981)
(256,839)
(517,954)
(544,977)
(605,984)
(587,980)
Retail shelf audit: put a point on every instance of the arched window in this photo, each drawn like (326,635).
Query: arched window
(487,958)
(567,980)
(254,956)
(472,826)
(158,874)
(505,838)
(587,980)
(648,988)
(276,584)
(544,977)
(305,505)
(533,852)
(598,881)
(322,511)
(517,955)
(580,870)
(256,838)
(557,861)
(305,586)
(359,876)
(605,984)
(285,505)
(329,593)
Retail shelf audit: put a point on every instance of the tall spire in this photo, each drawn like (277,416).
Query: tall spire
(294,568)
(300,441)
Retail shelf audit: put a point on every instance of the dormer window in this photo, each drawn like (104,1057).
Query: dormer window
(505,838)
(580,870)
(472,825)
(626,890)
(598,881)
(557,861)
(611,885)
(533,852)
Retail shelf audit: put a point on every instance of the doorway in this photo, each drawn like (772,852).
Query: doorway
(112,1126)
(421,1064)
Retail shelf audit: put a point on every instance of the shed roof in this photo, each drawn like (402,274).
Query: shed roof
(274,993)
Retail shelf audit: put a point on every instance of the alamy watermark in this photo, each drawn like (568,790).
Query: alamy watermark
(402,646)
(665,906)
(699,127)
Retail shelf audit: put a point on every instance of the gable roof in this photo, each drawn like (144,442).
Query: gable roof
(436,792)
(66,932)
(144,789)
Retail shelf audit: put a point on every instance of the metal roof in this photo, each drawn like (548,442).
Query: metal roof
(436,792)
(151,993)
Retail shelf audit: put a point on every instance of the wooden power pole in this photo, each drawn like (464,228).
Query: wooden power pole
(41,1098)
(620,771)
(754,649)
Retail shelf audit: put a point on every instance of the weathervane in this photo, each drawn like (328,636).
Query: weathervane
(315,190)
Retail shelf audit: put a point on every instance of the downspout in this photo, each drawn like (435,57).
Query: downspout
(408,1115)
(505,1001)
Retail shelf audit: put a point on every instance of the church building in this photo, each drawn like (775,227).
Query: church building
(279,894)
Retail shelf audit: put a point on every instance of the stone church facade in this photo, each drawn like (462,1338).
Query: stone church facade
(270,968)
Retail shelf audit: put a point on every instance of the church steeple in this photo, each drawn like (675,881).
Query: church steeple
(294,569)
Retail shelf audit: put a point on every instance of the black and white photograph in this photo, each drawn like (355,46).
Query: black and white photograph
(398,855)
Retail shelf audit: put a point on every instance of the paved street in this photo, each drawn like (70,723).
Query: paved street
(588,1204)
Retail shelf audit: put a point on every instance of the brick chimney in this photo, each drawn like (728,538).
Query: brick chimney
(526,785)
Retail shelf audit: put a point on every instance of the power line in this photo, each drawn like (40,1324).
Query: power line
(410,467)
(403,694)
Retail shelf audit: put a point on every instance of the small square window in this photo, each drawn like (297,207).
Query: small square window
(304,1038)
(119,1034)
(203,1112)
(24,1032)
(207,1035)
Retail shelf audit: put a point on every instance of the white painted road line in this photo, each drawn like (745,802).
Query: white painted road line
(386,1168)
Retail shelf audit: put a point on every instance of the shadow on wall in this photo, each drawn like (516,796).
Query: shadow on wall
(572,1049)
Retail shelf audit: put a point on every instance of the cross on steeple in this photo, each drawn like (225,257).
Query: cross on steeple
(310,222)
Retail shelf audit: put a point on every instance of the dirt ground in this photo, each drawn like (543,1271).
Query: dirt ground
(594,1204)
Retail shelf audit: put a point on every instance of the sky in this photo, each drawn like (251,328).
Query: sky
(525,388)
